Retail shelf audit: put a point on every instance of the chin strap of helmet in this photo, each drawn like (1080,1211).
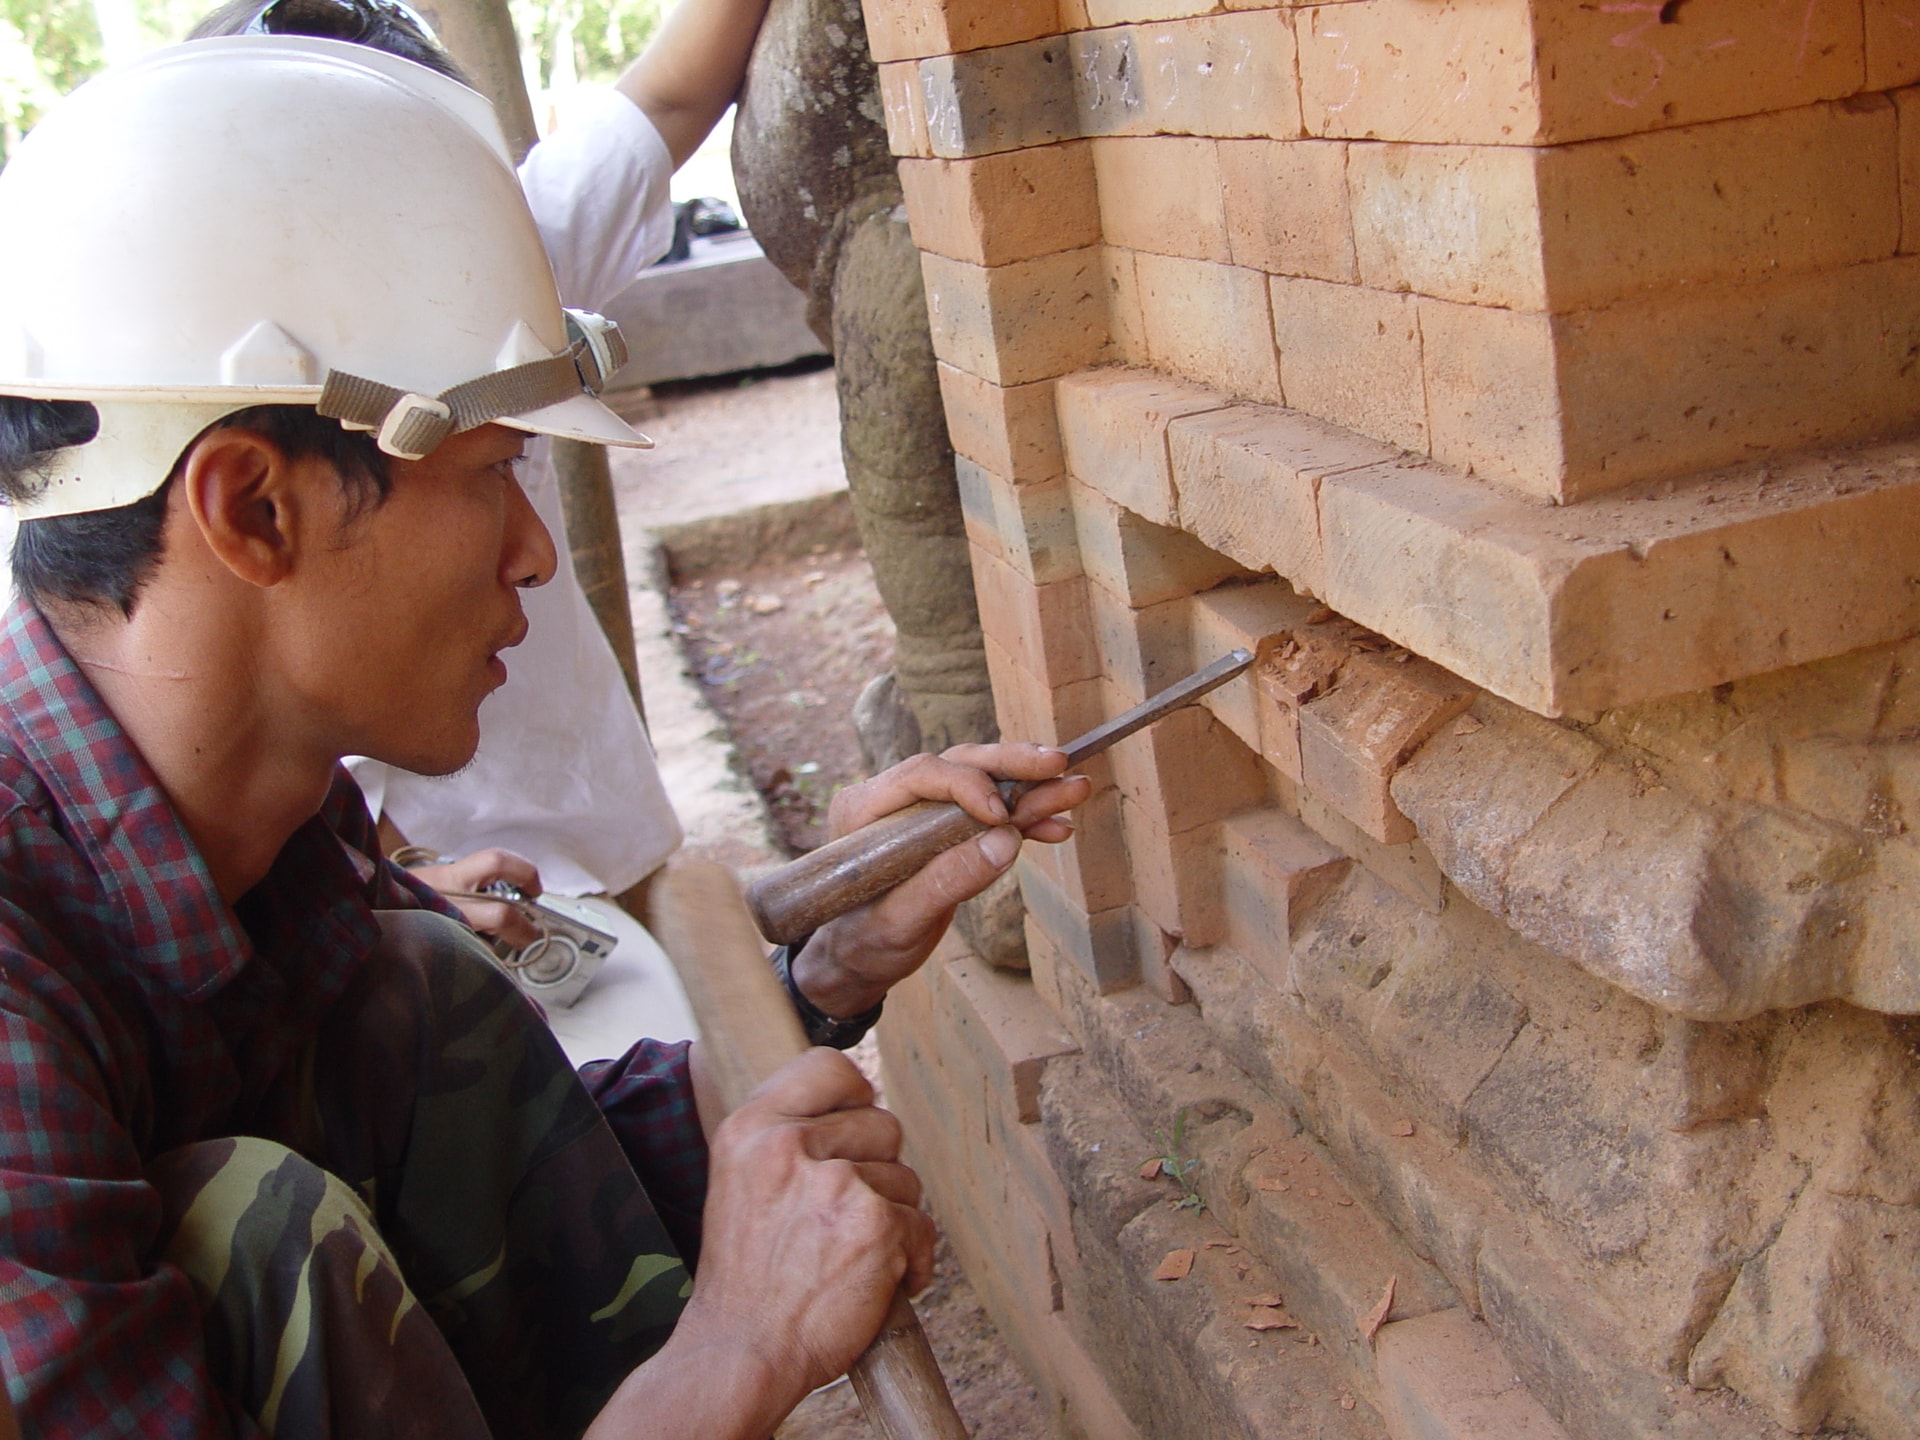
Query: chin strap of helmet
(409,426)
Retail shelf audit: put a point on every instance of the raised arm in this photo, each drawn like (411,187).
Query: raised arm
(693,69)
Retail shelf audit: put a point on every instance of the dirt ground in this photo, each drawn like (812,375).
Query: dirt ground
(782,645)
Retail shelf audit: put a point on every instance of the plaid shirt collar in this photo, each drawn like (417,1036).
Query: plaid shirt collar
(179,936)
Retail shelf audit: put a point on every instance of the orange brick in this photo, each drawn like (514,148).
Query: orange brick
(1007,98)
(1352,356)
(1012,324)
(1000,208)
(1504,72)
(905,107)
(1188,770)
(1247,483)
(909,29)
(1617,69)
(1126,323)
(1408,868)
(1030,527)
(1045,626)
(1242,617)
(1176,878)
(1460,221)
(1004,1030)
(1273,871)
(1155,949)
(1127,12)
(1140,652)
(1749,199)
(1161,193)
(1010,429)
(1442,1375)
(1091,869)
(1356,736)
(1029,709)
(1493,396)
(1099,945)
(1907,106)
(1301,667)
(1137,561)
(1286,207)
(1221,75)
(1438,73)
(1210,324)
(1113,427)
(1893,43)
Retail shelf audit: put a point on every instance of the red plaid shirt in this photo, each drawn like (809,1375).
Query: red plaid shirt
(137,1014)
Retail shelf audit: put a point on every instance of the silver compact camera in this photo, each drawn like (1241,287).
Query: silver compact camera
(555,968)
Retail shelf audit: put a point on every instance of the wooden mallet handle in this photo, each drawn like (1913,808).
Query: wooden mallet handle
(824,884)
(747,1031)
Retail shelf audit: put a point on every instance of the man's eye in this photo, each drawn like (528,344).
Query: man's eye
(511,467)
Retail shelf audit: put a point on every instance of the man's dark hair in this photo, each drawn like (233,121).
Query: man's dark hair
(103,557)
(377,25)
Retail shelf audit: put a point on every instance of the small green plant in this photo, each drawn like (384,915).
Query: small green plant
(1174,1161)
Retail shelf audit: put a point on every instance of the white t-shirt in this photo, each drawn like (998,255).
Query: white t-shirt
(564,774)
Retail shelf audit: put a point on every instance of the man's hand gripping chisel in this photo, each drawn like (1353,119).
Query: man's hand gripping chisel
(844,874)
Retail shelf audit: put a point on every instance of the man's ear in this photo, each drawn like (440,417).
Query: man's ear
(249,503)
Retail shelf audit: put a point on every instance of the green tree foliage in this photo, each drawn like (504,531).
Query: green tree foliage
(49,46)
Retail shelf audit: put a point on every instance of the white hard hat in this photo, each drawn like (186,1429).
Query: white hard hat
(268,220)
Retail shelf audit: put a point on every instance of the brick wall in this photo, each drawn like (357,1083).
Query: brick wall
(1532,928)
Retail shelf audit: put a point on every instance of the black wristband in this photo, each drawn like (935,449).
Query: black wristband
(821,1028)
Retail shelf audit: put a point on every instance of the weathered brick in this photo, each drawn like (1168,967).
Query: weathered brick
(1098,945)
(1139,562)
(1442,1377)
(1126,323)
(1459,221)
(1907,107)
(1155,950)
(1286,207)
(1176,878)
(1008,1035)
(1577,609)
(1000,208)
(905,106)
(1188,770)
(1011,324)
(910,29)
(1139,652)
(1030,709)
(1006,98)
(1091,869)
(1298,667)
(1351,355)
(1408,868)
(1614,70)
(1741,200)
(1113,426)
(1356,736)
(1447,73)
(1273,869)
(1221,75)
(1209,323)
(1893,43)
(1572,406)
(1012,430)
(1242,617)
(1161,193)
(1031,527)
(1247,479)
(1129,12)
(1047,626)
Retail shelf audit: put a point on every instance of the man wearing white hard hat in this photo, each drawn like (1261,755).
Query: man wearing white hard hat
(284,1153)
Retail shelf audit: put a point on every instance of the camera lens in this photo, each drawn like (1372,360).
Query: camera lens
(548,960)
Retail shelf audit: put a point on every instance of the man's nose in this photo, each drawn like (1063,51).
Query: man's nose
(529,558)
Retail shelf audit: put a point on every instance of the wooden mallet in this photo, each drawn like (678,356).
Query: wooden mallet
(748,1030)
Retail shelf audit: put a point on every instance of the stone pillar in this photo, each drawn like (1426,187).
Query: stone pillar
(1526,944)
